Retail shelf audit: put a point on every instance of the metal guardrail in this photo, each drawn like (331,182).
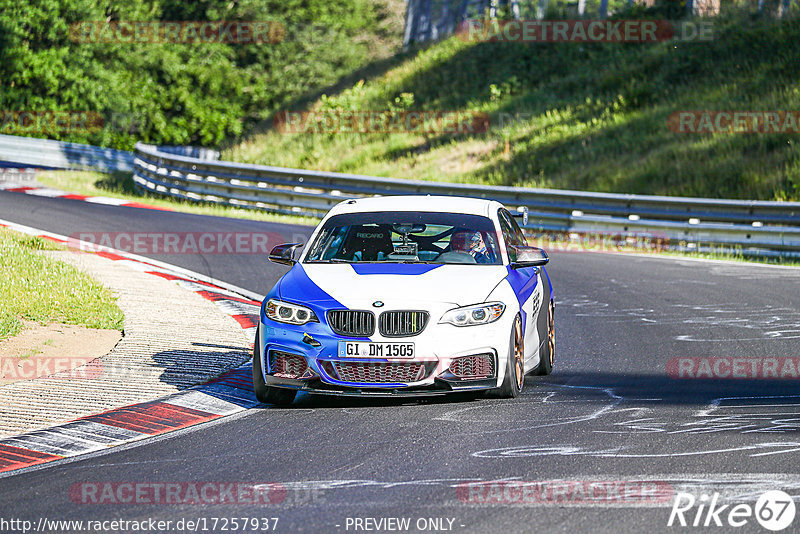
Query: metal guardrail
(49,154)
(46,153)
(752,226)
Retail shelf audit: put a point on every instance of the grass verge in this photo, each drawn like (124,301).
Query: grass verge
(582,116)
(38,288)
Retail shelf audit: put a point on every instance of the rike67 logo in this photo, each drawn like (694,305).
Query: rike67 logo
(774,510)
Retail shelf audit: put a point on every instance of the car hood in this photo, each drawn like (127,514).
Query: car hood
(357,286)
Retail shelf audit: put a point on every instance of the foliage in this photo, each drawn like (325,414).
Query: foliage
(167,93)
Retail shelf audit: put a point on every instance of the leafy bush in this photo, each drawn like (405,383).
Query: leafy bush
(175,93)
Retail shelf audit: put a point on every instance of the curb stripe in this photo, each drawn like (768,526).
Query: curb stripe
(22,454)
(240,378)
(57,193)
(152,418)
(226,395)
(246,321)
(206,403)
(168,276)
(216,296)
(110,255)
(12,458)
(145,206)
(230,393)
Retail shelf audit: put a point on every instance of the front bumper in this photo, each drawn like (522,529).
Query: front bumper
(436,349)
(440,387)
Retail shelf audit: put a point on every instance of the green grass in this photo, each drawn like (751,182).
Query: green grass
(736,256)
(120,185)
(594,116)
(38,288)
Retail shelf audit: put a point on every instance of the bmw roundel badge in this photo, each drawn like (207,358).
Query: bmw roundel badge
(378,303)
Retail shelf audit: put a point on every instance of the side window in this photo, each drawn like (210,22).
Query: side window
(518,231)
(509,236)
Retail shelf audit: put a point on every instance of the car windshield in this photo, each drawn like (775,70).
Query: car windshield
(406,237)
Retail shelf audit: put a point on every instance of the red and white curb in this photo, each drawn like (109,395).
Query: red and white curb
(49,192)
(230,393)
(226,395)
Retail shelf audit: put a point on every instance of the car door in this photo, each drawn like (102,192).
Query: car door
(526,285)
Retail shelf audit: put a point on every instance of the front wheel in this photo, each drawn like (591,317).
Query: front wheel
(515,365)
(548,352)
(264,393)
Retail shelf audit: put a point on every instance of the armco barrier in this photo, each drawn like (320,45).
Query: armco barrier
(752,226)
(45,153)
(49,154)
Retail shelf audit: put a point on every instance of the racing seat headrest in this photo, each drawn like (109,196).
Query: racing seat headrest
(369,241)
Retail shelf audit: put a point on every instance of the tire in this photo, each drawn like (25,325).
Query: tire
(548,352)
(515,370)
(264,393)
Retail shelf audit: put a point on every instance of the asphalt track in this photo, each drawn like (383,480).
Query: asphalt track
(608,413)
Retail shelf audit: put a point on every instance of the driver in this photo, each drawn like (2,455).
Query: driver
(471,242)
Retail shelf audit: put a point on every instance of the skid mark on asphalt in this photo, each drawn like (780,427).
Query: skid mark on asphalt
(608,397)
(479,414)
(704,320)
(627,417)
(621,452)
(745,415)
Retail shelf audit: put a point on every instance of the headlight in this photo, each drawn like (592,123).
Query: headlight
(472,315)
(284,312)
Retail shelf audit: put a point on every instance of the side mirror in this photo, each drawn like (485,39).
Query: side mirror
(522,256)
(284,254)
(522,215)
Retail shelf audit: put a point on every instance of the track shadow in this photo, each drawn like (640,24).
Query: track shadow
(187,368)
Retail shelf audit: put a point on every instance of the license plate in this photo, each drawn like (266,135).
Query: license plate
(364,349)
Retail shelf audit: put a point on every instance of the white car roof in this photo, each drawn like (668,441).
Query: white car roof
(436,204)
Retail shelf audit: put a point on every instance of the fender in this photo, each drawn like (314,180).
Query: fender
(541,320)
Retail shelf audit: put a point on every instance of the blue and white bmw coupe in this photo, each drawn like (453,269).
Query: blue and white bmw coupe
(412,295)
